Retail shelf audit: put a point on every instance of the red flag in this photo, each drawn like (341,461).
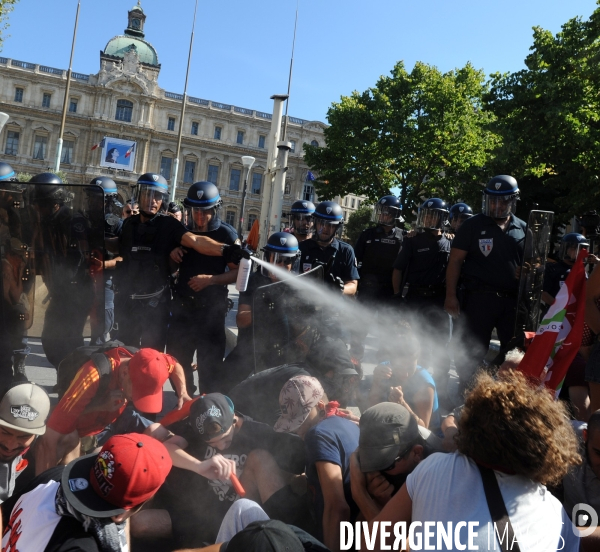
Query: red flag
(130,150)
(558,337)
(99,144)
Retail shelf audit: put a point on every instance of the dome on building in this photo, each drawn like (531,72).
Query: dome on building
(118,45)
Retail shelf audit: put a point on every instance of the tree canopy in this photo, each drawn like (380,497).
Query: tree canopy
(358,221)
(424,132)
(6,6)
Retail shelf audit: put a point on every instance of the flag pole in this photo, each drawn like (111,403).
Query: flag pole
(287,103)
(66,100)
(177,150)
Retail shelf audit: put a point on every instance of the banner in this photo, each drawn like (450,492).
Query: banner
(558,337)
(118,154)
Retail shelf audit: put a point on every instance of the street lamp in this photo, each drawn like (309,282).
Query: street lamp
(247,161)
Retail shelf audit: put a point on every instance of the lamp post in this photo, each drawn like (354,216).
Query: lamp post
(247,161)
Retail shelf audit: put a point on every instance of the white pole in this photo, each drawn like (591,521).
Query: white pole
(279,186)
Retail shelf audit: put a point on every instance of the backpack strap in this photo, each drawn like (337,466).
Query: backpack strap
(102,364)
(498,511)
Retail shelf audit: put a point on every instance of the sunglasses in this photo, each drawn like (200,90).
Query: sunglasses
(398,458)
(129,212)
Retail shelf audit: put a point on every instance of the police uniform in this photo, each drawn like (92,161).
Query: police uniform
(489,281)
(142,279)
(344,260)
(555,275)
(198,317)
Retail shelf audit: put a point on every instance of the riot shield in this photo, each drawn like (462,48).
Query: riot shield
(537,246)
(52,254)
(284,320)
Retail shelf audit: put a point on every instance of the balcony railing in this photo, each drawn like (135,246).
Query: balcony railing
(22,64)
(80,76)
(51,70)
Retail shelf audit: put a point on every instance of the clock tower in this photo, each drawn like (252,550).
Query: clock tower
(136,19)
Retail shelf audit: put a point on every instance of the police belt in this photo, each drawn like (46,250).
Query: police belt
(425,291)
(193,303)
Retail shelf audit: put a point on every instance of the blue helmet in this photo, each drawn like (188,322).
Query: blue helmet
(432,214)
(459,212)
(387,211)
(283,243)
(570,244)
(302,207)
(7,174)
(201,198)
(107,184)
(151,187)
(329,211)
(500,196)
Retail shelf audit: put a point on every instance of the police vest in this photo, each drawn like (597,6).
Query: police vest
(380,252)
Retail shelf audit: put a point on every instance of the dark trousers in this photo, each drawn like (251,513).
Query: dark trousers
(142,325)
(481,313)
(199,329)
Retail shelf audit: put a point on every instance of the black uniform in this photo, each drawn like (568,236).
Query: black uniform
(490,283)
(555,275)
(423,260)
(344,260)
(142,279)
(198,318)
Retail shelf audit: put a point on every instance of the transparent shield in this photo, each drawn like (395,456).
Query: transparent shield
(150,200)
(197,219)
(302,224)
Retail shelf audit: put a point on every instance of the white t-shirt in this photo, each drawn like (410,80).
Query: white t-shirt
(448,488)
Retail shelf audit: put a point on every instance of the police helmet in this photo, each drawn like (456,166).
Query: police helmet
(459,212)
(387,211)
(7,174)
(328,213)
(500,196)
(107,184)
(433,214)
(151,187)
(570,244)
(202,196)
(301,216)
(302,207)
(49,188)
(173,207)
(281,248)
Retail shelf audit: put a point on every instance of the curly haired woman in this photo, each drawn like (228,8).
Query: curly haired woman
(525,437)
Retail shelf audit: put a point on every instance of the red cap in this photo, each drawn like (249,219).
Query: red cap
(148,371)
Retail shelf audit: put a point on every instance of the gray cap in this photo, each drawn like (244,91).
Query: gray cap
(386,430)
(25,407)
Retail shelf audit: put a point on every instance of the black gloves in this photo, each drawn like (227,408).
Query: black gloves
(336,281)
(235,253)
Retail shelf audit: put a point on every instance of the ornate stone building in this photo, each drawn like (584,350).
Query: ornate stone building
(123,100)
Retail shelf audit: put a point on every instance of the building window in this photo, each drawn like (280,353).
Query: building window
(256,182)
(308,193)
(189,172)
(46,100)
(261,141)
(165,167)
(73,105)
(218,133)
(66,155)
(352,201)
(12,143)
(230,218)
(124,111)
(234,180)
(213,174)
(293,142)
(194,129)
(240,137)
(39,147)
(171,123)
(314,143)
(251,220)
(18,94)
(358,203)
(286,190)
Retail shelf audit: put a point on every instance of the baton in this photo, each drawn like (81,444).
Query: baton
(237,486)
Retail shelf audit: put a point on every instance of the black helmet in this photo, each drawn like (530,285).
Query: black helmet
(281,248)
(500,196)
(301,217)
(151,187)
(202,196)
(7,174)
(49,188)
(433,214)
(173,207)
(570,244)
(387,211)
(459,212)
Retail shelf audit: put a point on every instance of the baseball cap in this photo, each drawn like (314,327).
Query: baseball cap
(265,536)
(148,371)
(386,429)
(213,407)
(331,354)
(25,408)
(297,398)
(128,471)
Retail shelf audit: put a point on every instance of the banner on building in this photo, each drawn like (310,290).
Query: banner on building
(118,154)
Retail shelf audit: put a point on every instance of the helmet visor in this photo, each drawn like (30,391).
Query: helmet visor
(432,219)
(280,260)
(499,206)
(302,224)
(326,230)
(385,215)
(197,219)
(568,251)
(150,199)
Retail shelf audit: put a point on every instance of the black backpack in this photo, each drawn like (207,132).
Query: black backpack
(70,365)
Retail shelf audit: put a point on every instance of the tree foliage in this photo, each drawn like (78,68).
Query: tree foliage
(424,132)
(549,117)
(6,6)
(358,221)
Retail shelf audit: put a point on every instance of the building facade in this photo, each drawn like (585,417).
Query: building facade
(123,100)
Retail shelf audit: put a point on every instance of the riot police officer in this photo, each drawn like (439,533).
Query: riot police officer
(488,251)
(301,219)
(459,212)
(325,249)
(376,250)
(421,264)
(142,278)
(200,294)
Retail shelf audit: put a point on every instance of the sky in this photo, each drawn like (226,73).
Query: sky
(242,49)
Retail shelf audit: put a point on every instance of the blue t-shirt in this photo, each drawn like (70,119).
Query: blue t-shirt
(332,440)
(419,380)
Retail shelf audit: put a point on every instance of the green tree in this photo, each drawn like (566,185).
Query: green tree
(424,132)
(358,221)
(6,6)
(549,117)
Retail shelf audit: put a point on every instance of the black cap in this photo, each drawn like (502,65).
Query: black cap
(214,407)
(386,430)
(331,354)
(265,536)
